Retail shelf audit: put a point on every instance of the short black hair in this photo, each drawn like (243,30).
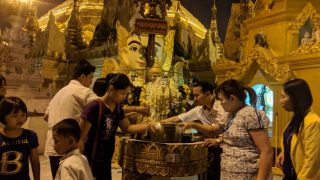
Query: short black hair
(82,67)
(100,86)
(205,86)
(118,81)
(68,127)
(9,104)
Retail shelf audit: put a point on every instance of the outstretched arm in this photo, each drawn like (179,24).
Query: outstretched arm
(204,128)
(126,127)
(139,109)
(174,119)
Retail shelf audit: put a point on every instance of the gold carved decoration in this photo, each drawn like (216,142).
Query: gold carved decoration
(265,62)
(224,62)
(163,159)
(309,48)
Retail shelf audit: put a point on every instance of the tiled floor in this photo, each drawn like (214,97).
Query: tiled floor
(116,172)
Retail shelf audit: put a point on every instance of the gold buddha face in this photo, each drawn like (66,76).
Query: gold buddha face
(136,49)
(132,49)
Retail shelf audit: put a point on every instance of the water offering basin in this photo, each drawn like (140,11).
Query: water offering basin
(143,159)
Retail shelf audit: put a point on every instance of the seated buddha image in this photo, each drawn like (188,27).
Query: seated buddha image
(306,38)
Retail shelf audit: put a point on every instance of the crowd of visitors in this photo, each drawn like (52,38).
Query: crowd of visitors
(83,122)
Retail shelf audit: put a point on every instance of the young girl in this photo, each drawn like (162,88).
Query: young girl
(17,145)
(99,122)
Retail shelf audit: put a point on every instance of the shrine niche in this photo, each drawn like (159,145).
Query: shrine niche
(306,28)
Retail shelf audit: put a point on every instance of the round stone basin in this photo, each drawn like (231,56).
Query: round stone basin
(162,159)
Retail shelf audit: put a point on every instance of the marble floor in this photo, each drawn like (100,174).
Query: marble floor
(116,172)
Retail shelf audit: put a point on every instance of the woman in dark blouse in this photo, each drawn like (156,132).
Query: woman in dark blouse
(99,122)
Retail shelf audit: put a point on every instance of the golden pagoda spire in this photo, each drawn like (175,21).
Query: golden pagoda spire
(32,26)
(214,11)
(213,25)
(74,39)
(215,45)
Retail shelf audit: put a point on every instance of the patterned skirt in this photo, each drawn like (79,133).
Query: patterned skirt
(225,175)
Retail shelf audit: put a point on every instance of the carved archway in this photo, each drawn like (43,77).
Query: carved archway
(265,61)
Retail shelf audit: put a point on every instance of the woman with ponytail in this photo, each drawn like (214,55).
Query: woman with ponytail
(300,156)
(246,150)
(247,153)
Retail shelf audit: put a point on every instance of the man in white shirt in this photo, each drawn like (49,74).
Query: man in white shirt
(209,111)
(69,102)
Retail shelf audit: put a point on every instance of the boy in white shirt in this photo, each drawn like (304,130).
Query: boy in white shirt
(73,165)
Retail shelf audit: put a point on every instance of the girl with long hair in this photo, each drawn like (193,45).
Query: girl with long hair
(100,121)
